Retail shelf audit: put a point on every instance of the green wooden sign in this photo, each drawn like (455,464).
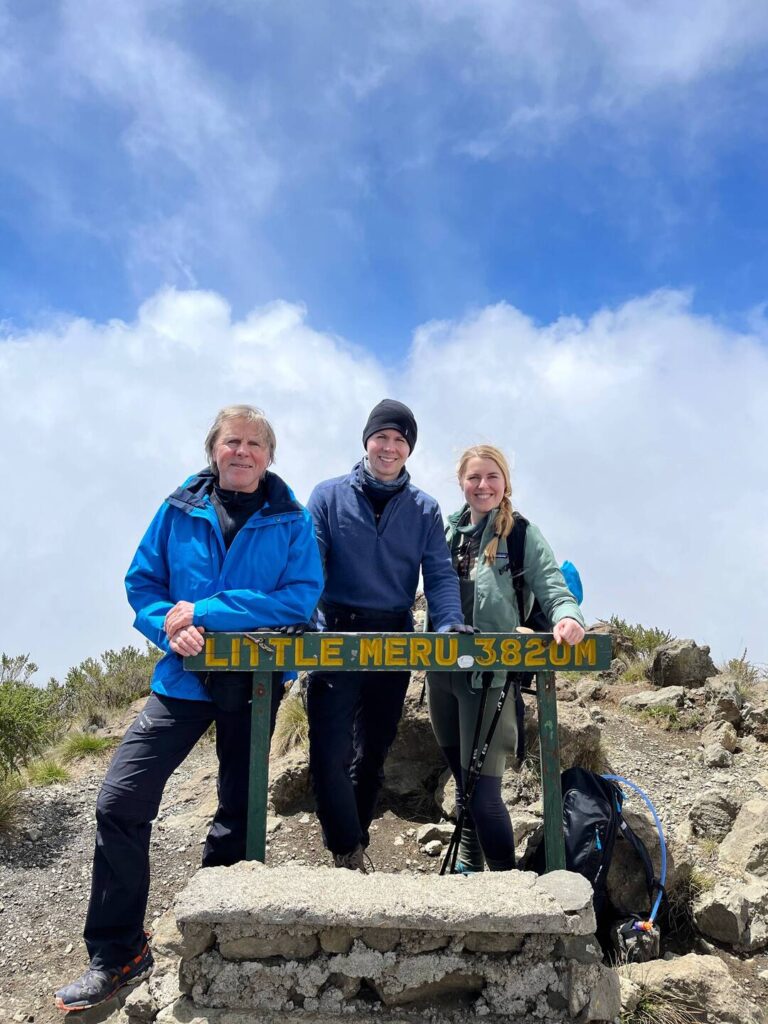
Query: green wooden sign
(353,652)
(263,653)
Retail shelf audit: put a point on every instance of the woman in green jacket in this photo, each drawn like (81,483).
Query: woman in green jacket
(477,536)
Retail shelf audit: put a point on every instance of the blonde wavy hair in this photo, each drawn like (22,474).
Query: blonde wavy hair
(504,518)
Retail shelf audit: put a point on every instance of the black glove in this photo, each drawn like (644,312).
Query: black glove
(297,629)
(460,627)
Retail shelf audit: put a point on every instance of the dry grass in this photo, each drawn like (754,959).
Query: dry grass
(47,772)
(292,727)
(10,802)
(79,745)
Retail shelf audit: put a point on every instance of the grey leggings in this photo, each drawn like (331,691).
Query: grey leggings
(454,706)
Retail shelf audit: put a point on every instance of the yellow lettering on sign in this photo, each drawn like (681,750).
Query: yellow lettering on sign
(234,654)
(449,656)
(487,655)
(280,643)
(300,661)
(253,648)
(394,651)
(371,650)
(586,651)
(559,654)
(510,652)
(534,653)
(420,650)
(211,661)
(330,651)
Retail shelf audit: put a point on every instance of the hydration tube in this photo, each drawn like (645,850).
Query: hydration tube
(648,925)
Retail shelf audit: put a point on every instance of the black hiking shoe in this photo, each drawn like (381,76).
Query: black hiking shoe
(96,986)
(354,860)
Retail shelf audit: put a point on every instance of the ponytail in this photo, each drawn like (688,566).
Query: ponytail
(505,521)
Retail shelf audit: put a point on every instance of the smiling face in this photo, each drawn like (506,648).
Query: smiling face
(387,451)
(241,453)
(483,486)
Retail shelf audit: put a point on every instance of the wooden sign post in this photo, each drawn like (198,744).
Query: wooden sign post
(263,653)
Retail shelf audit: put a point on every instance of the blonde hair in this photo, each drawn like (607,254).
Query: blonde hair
(504,518)
(239,412)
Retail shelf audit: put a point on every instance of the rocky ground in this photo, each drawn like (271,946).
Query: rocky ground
(45,864)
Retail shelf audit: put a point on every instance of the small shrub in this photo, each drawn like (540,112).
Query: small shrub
(79,745)
(678,906)
(660,1008)
(291,727)
(10,802)
(645,638)
(27,719)
(664,715)
(746,675)
(635,672)
(114,680)
(47,772)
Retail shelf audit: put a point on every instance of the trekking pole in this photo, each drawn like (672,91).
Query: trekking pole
(476,763)
(453,846)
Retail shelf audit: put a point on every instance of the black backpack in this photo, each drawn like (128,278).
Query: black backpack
(592,820)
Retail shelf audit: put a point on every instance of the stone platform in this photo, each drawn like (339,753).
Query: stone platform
(315,944)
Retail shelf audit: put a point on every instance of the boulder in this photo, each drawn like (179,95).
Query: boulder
(590,690)
(623,647)
(702,985)
(415,761)
(289,786)
(579,736)
(735,914)
(715,756)
(681,663)
(746,845)
(712,813)
(626,878)
(719,733)
(669,697)
(439,830)
(724,699)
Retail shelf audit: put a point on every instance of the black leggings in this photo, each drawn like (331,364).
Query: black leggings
(487,819)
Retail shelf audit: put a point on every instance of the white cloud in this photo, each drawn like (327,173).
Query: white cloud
(637,438)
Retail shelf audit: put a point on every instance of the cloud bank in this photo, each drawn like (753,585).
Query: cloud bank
(637,438)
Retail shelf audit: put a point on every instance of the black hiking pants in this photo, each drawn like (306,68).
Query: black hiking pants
(353,718)
(155,745)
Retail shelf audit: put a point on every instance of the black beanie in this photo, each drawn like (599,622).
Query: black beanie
(391,415)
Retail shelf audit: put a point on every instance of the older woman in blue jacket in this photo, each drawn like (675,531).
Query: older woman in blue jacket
(231,549)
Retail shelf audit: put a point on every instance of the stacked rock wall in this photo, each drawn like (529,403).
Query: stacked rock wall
(315,944)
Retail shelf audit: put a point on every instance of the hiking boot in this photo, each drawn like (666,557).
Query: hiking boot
(96,986)
(354,860)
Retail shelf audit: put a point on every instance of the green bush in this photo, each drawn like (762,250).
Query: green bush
(644,638)
(28,721)
(746,675)
(47,772)
(114,680)
(10,802)
(84,744)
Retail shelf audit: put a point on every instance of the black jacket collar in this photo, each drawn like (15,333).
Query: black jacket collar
(194,492)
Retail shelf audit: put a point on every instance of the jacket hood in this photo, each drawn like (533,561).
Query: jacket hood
(194,492)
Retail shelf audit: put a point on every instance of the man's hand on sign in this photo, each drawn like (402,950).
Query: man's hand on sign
(178,617)
(459,627)
(188,641)
(568,631)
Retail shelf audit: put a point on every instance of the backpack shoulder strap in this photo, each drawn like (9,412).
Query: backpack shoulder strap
(516,556)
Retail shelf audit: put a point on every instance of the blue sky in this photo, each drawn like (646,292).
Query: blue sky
(385,164)
(543,225)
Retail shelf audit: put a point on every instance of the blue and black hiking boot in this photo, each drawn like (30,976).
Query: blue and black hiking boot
(96,986)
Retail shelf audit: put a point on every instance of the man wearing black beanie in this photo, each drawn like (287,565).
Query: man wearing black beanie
(376,533)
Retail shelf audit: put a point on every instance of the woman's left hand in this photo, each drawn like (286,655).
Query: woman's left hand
(178,617)
(568,631)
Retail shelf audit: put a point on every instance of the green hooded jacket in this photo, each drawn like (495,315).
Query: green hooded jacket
(495,606)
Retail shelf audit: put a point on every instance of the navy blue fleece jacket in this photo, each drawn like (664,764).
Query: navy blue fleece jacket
(370,565)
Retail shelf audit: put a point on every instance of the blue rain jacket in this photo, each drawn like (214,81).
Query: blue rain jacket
(270,576)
